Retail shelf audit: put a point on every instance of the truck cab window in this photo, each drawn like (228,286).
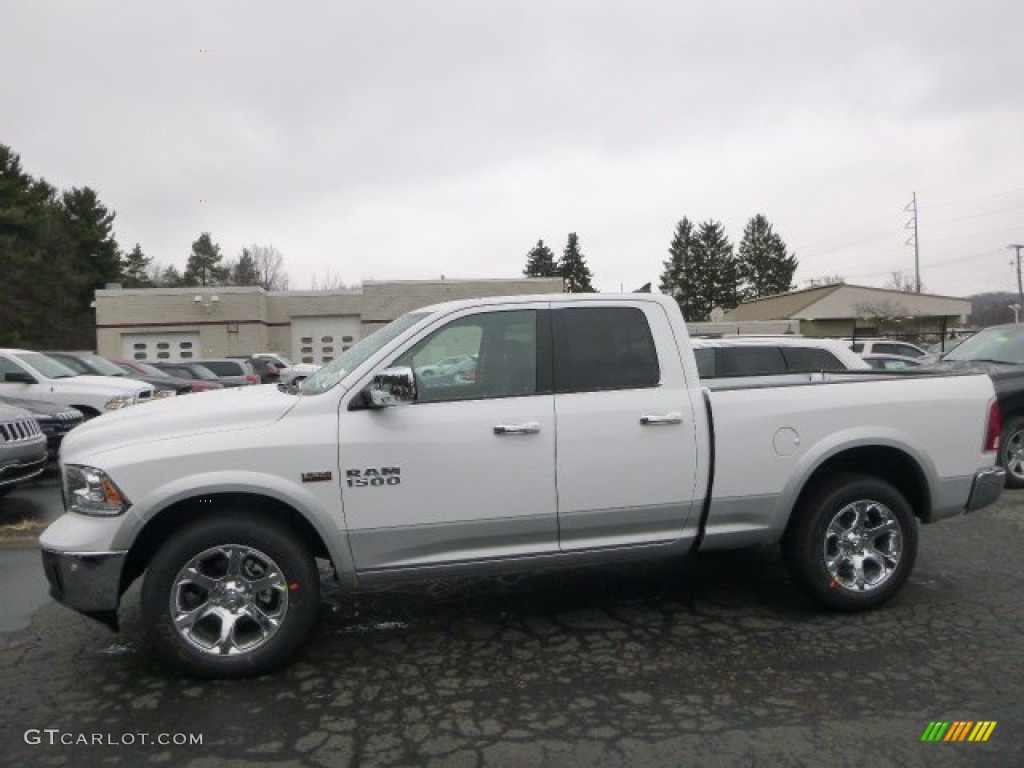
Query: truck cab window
(487,355)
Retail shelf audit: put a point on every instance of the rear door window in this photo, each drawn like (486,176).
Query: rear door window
(603,348)
(810,360)
(750,361)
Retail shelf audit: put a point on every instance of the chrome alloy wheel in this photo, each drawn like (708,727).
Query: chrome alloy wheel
(863,546)
(1013,454)
(228,600)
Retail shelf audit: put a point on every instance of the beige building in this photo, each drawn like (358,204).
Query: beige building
(848,310)
(156,324)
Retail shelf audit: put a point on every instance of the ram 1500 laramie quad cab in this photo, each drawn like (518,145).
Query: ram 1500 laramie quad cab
(583,435)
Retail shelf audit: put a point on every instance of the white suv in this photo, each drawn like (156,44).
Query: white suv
(34,376)
(754,360)
(887,347)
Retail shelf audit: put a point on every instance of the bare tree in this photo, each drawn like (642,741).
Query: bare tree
(902,281)
(330,282)
(820,282)
(269,264)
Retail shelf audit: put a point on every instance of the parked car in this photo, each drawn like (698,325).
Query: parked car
(892,362)
(232,371)
(442,366)
(886,347)
(90,363)
(192,372)
(745,360)
(34,376)
(136,367)
(585,436)
(55,420)
(998,351)
(288,372)
(266,370)
(22,448)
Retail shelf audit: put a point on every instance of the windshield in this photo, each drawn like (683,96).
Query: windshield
(46,366)
(202,372)
(102,365)
(144,368)
(331,374)
(995,345)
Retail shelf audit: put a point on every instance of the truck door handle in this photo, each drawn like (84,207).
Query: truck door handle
(529,428)
(659,421)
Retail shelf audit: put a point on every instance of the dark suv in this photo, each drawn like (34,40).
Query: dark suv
(22,447)
(55,420)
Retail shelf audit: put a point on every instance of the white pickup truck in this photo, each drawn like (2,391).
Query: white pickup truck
(583,435)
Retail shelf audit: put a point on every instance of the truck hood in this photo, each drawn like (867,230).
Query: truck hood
(222,410)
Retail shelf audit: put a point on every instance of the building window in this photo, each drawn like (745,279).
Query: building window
(307,359)
(328,359)
(346,348)
(307,350)
(346,338)
(186,345)
(328,350)
(163,345)
(326,339)
(186,354)
(140,355)
(139,345)
(307,339)
(163,355)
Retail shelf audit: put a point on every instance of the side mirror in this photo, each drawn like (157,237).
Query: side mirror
(20,377)
(390,387)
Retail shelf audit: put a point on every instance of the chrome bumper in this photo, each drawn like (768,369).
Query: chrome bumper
(987,487)
(88,582)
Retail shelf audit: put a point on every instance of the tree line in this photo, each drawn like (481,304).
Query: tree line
(702,271)
(57,247)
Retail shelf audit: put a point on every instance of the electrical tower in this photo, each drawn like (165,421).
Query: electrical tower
(912,240)
(1020,285)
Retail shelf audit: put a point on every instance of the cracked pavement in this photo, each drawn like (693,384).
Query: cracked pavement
(715,660)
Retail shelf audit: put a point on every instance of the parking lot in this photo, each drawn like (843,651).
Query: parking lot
(712,661)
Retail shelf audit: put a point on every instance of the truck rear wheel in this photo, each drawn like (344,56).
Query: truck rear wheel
(852,542)
(1011,451)
(230,597)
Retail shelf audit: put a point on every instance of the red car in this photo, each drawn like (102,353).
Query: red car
(136,366)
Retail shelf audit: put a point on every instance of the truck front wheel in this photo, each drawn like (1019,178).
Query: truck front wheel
(852,542)
(230,596)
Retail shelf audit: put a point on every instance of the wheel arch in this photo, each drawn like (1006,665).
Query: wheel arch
(885,462)
(175,516)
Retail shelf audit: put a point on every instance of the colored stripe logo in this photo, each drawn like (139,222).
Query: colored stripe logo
(959,730)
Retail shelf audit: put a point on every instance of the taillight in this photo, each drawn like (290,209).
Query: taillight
(252,379)
(992,432)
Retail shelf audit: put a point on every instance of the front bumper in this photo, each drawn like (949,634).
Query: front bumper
(88,582)
(987,487)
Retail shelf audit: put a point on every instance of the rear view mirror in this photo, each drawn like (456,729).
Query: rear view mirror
(390,387)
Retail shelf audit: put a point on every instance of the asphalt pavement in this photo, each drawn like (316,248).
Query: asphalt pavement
(715,660)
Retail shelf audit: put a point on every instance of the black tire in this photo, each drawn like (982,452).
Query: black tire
(231,557)
(823,543)
(1011,450)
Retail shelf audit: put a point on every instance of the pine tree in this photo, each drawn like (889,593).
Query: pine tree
(764,266)
(135,267)
(676,278)
(204,264)
(573,268)
(243,271)
(540,262)
(172,278)
(713,280)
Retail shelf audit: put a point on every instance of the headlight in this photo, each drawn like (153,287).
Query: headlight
(162,393)
(119,401)
(88,491)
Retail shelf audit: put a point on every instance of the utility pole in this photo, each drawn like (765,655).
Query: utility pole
(912,224)
(1020,286)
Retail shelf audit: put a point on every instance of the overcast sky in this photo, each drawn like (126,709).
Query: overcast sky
(402,139)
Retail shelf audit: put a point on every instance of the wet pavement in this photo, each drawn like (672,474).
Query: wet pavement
(711,661)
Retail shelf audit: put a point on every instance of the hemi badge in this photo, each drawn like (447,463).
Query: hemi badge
(315,477)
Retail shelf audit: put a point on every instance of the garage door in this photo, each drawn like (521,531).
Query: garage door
(159,347)
(319,340)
